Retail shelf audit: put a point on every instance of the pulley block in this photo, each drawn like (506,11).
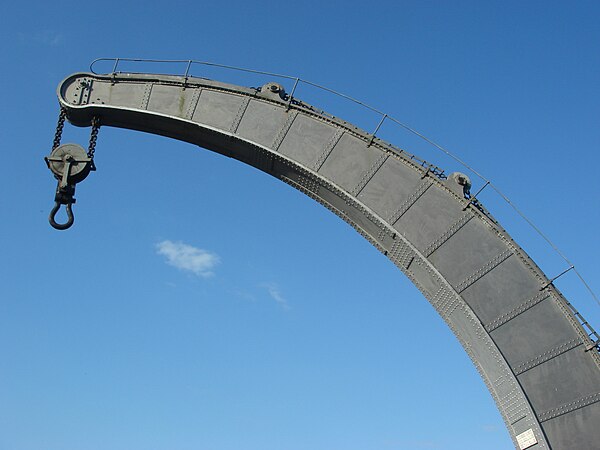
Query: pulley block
(69,163)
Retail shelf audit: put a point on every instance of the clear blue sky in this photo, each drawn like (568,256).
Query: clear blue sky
(282,329)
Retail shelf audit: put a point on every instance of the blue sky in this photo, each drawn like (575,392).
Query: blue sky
(199,304)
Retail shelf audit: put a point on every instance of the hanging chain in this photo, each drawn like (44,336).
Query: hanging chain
(93,137)
(59,127)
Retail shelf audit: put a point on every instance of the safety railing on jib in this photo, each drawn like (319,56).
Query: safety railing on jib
(185,73)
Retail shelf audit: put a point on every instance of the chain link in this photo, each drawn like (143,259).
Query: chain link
(59,127)
(93,137)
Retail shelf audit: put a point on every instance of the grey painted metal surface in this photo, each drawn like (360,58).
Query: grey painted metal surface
(537,361)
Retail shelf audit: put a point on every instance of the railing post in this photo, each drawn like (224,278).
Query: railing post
(292,94)
(114,72)
(377,129)
(187,72)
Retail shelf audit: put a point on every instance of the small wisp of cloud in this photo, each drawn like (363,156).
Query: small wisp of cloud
(188,258)
(274,292)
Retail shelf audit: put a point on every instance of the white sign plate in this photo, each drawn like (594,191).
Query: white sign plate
(526,439)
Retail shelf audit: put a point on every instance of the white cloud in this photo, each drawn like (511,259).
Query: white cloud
(275,294)
(188,258)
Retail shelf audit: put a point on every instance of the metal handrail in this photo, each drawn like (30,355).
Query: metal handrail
(384,117)
(434,170)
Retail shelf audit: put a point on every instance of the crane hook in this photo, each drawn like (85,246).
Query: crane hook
(64,196)
(70,218)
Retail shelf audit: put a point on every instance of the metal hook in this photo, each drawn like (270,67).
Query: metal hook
(61,226)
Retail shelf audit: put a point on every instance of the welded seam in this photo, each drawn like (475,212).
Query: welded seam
(328,148)
(284,129)
(146,96)
(520,309)
(240,114)
(370,173)
(569,407)
(193,104)
(547,356)
(437,243)
(410,201)
(484,270)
